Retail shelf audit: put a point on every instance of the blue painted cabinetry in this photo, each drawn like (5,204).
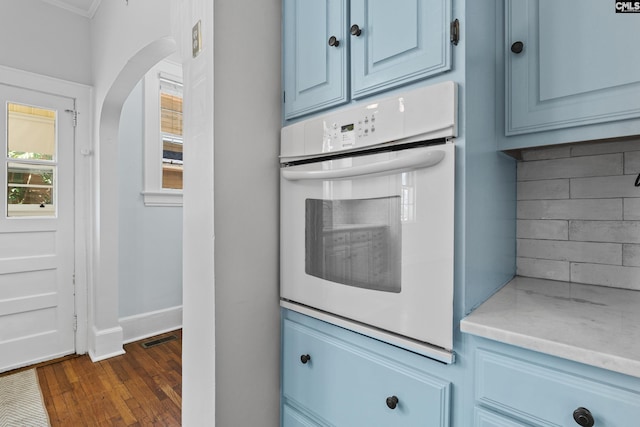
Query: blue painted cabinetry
(338,50)
(570,64)
(350,375)
(331,376)
(521,388)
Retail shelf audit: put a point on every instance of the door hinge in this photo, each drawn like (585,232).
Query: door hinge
(455,32)
(284,97)
(75,116)
(75,322)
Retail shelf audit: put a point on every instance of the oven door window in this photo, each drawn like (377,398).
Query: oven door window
(354,242)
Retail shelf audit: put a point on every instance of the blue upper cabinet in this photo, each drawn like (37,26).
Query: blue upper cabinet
(329,59)
(400,41)
(570,63)
(315,55)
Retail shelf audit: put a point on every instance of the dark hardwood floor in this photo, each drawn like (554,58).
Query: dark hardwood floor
(140,388)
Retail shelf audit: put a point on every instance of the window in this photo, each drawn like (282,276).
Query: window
(30,161)
(171,130)
(163,146)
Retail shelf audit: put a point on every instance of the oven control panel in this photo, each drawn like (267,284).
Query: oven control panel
(372,124)
(424,113)
(345,136)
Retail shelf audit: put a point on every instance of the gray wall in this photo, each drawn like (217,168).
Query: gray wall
(579,213)
(45,39)
(246,199)
(150,238)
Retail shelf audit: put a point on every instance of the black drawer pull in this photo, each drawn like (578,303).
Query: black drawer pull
(583,417)
(392,402)
(305,358)
(517,47)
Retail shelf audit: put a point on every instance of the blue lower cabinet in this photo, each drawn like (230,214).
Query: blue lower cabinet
(293,418)
(485,418)
(538,392)
(337,383)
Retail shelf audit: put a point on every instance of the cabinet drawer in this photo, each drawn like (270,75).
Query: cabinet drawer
(345,385)
(543,396)
(484,418)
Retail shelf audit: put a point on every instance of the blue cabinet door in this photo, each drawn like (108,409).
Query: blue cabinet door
(578,64)
(342,384)
(315,73)
(401,41)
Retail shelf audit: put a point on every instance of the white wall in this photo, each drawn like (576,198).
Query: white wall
(231,215)
(242,298)
(127,40)
(150,238)
(46,40)
(246,182)
(198,335)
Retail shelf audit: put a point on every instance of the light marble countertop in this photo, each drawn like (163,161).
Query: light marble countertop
(595,325)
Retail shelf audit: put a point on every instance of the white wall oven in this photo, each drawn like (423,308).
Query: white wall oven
(367,218)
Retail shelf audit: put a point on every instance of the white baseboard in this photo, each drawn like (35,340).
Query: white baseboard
(145,325)
(105,343)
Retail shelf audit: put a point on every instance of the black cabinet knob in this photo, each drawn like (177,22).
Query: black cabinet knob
(583,417)
(355,30)
(333,41)
(517,47)
(305,358)
(392,402)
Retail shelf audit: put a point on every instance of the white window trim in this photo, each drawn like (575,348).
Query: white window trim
(154,194)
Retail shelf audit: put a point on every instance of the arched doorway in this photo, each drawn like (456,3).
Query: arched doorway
(106,337)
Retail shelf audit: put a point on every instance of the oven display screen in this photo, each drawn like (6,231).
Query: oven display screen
(347,128)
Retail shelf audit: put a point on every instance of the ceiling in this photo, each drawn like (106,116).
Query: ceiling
(86,8)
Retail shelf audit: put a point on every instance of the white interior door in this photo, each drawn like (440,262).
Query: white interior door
(37,306)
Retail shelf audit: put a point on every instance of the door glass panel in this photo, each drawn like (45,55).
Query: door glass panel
(31,132)
(30,161)
(354,242)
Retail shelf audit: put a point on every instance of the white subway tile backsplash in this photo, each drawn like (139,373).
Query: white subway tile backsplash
(599,253)
(631,255)
(632,163)
(605,147)
(543,269)
(578,213)
(547,189)
(585,209)
(605,231)
(606,275)
(604,187)
(631,209)
(542,229)
(571,167)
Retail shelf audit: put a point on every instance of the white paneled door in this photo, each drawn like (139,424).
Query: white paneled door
(37,306)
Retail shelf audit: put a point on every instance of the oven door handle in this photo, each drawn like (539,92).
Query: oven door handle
(401,164)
